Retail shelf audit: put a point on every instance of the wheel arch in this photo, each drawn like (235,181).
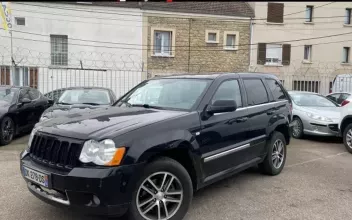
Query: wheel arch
(345,122)
(284,129)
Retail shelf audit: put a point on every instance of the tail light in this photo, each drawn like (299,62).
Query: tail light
(345,102)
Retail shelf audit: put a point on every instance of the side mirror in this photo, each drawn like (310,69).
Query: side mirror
(220,106)
(24,101)
(50,101)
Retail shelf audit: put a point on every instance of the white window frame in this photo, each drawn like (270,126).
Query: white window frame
(309,59)
(217,34)
(16,20)
(237,37)
(344,60)
(280,48)
(53,53)
(173,41)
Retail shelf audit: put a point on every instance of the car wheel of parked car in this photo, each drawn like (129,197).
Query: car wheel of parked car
(163,192)
(347,138)
(7,130)
(297,128)
(275,160)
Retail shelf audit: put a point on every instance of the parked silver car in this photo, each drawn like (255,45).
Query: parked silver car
(313,114)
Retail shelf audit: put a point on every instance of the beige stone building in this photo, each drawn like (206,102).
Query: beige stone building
(305,43)
(196,37)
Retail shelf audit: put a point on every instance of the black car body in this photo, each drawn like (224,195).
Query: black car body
(20,110)
(63,109)
(208,127)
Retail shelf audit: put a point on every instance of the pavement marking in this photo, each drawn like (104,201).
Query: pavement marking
(313,160)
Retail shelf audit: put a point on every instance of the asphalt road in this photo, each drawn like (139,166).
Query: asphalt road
(315,184)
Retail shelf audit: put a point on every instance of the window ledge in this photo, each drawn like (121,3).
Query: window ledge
(346,64)
(163,55)
(347,25)
(308,22)
(58,67)
(230,49)
(212,42)
(273,23)
(273,64)
(307,62)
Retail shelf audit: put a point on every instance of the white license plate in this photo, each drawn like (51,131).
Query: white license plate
(35,176)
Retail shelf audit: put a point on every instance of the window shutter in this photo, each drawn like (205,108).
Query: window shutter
(33,78)
(286,54)
(261,53)
(5,75)
(275,12)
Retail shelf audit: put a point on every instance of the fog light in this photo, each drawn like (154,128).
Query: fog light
(96,200)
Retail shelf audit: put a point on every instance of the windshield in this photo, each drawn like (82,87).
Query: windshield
(306,99)
(167,93)
(7,94)
(85,96)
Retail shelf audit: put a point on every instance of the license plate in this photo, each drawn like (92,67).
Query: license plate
(35,176)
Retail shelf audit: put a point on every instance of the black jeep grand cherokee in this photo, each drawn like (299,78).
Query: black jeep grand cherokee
(163,140)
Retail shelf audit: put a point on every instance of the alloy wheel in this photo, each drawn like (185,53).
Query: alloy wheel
(160,196)
(278,154)
(7,129)
(296,128)
(349,138)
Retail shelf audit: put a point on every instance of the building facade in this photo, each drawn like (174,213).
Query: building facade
(56,45)
(197,37)
(306,44)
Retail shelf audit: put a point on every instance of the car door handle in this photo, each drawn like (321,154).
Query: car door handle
(242,119)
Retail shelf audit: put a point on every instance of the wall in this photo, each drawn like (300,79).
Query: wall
(192,53)
(119,25)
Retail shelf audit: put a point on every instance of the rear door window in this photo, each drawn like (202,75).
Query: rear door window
(276,90)
(334,97)
(256,92)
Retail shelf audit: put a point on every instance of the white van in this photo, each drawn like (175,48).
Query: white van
(342,83)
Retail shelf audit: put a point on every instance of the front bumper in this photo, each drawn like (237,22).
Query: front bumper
(79,188)
(321,129)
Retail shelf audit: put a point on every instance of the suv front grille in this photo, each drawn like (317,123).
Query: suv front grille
(55,151)
(333,127)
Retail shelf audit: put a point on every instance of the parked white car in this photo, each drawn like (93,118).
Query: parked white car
(313,114)
(341,98)
(345,126)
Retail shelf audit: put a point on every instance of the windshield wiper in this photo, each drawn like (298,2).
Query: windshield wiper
(146,106)
(90,103)
(63,103)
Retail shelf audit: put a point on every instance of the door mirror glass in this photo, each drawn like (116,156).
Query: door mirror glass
(220,106)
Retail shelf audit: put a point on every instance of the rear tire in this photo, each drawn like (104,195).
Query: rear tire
(275,159)
(7,130)
(297,128)
(161,172)
(347,138)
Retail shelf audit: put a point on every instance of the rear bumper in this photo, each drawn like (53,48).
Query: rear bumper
(98,191)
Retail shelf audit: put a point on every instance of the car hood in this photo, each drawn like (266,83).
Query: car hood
(330,112)
(104,122)
(58,110)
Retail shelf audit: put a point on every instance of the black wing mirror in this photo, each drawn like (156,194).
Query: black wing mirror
(50,101)
(220,106)
(24,101)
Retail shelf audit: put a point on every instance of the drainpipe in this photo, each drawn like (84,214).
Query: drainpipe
(250,46)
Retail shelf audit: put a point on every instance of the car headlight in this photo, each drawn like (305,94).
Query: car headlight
(43,118)
(31,138)
(102,153)
(318,117)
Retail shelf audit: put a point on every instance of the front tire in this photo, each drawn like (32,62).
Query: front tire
(275,159)
(347,138)
(7,131)
(297,128)
(164,191)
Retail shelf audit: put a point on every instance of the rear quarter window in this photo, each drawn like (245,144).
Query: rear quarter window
(276,90)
